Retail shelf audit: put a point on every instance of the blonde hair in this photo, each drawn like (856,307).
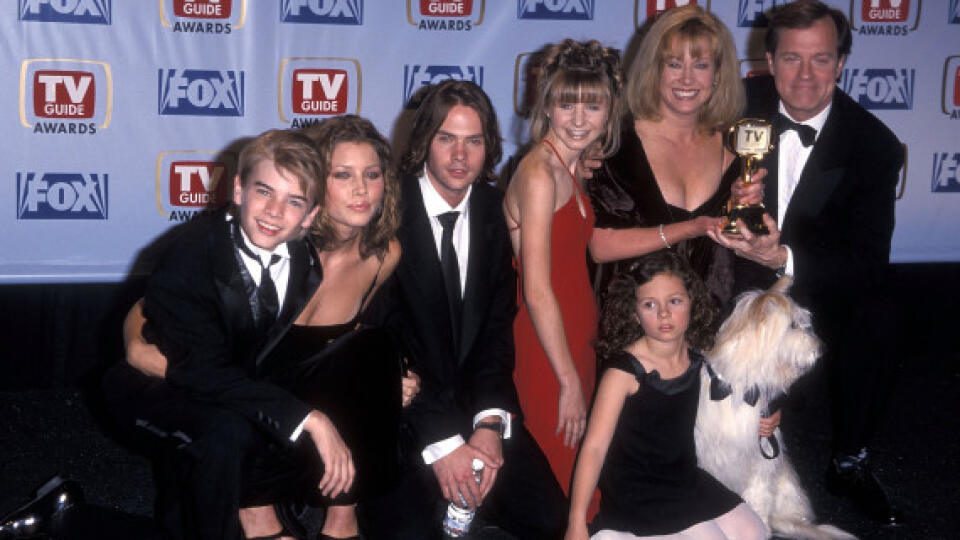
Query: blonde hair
(579,72)
(673,30)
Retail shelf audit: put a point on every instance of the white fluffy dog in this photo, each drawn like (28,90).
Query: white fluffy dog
(765,345)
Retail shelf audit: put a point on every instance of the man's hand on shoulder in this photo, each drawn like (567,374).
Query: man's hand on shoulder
(761,249)
(454,472)
(338,470)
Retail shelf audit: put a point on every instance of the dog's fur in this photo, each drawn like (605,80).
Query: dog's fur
(766,342)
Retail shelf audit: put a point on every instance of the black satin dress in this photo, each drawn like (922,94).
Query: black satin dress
(352,374)
(625,194)
(650,483)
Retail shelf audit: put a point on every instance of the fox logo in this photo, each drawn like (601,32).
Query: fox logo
(322,11)
(880,88)
(66,11)
(555,9)
(61,196)
(752,13)
(417,76)
(946,174)
(200,92)
(63,94)
(953,15)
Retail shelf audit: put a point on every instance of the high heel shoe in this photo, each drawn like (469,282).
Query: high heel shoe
(40,515)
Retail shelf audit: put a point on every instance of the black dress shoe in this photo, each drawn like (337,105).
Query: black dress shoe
(41,515)
(851,477)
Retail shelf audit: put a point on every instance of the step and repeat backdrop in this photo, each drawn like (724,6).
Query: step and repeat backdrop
(122,118)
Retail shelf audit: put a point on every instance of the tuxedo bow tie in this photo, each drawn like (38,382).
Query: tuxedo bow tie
(806,133)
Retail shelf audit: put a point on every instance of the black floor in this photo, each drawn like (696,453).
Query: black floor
(48,431)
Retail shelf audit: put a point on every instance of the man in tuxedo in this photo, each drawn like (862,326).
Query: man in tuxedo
(221,296)
(451,302)
(829,198)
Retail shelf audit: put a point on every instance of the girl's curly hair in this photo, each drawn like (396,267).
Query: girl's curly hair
(574,71)
(619,326)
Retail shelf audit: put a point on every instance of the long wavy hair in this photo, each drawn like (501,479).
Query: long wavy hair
(579,72)
(673,30)
(375,237)
(619,326)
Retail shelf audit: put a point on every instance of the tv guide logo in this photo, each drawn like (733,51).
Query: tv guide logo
(564,10)
(752,67)
(56,195)
(460,15)
(66,11)
(191,181)
(946,172)
(416,76)
(884,17)
(65,96)
(880,88)
(203,16)
(322,11)
(200,92)
(950,101)
(314,88)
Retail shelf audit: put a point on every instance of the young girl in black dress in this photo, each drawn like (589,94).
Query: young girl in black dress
(639,444)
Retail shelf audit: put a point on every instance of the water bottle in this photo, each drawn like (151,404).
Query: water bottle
(459,517)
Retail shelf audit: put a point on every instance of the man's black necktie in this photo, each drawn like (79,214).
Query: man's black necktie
(451,270)
(268,301)
(806,133)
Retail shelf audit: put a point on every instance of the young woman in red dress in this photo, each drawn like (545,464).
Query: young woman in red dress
(550,221)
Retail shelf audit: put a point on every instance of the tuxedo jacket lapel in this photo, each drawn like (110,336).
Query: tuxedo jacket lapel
(821,172)
(305,277)
(477,286)
(422,270)
(234,284)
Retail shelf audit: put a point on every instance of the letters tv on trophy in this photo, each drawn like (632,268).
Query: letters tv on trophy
(750,139)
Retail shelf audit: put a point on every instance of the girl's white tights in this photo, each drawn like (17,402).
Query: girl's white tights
(741,523)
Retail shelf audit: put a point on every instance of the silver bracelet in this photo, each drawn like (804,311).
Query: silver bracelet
(663,236)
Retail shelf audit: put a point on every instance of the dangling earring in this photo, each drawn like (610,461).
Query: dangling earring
(715,83)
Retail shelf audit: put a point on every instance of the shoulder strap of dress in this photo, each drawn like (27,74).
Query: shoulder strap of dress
(363,299)
(580,194)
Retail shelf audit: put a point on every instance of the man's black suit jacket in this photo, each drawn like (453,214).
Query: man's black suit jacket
(456,382)
(199,314)
(840,219)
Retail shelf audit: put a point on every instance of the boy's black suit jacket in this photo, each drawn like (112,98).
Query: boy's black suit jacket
(198,309)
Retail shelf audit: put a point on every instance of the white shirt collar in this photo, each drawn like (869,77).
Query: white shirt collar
(264,255)
(434,203)
(816,122)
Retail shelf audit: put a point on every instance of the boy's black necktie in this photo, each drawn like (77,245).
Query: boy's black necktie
(268,301)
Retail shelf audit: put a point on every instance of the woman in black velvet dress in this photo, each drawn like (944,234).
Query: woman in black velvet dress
(672,176)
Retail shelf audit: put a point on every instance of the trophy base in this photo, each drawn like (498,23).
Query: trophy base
(752,217)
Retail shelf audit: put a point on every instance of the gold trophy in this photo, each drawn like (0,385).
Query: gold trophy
(750,139)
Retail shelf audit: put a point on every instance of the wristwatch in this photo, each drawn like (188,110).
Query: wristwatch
(492,425)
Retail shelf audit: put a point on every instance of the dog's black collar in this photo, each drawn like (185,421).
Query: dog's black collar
(721,389)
